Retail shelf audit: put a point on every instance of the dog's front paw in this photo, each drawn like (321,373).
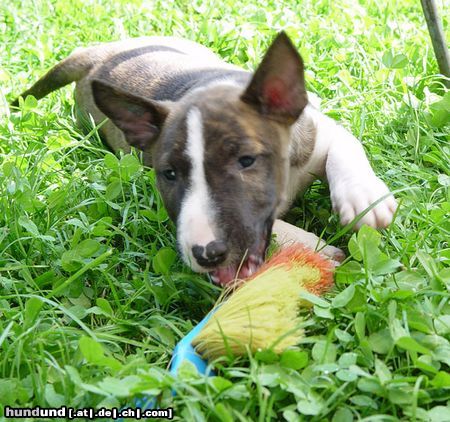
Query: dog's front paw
(352,197)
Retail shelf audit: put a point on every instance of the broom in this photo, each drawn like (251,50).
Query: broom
(263,311)
(258,313)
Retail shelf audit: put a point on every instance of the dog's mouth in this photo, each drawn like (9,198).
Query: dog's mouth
(246,267)
(224,276)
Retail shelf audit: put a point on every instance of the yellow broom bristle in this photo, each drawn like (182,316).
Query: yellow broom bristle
(263,312)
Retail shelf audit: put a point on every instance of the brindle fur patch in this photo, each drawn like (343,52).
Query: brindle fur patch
(302,149)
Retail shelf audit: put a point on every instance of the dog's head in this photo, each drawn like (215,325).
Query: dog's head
(221,158)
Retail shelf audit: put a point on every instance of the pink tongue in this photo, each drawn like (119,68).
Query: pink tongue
(226,275)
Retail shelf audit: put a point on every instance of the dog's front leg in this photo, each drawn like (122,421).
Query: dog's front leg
(286,234)
(353,184)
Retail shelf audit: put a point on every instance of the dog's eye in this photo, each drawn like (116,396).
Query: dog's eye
(246,161)
(170,174)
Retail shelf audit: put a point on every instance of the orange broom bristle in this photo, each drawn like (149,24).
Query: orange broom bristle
(263,311)
(298,255)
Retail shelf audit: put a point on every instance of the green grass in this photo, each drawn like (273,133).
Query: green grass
(92,294)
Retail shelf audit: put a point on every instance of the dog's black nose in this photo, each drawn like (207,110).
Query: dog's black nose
(212,255)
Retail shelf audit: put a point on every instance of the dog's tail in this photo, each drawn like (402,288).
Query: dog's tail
(71,69)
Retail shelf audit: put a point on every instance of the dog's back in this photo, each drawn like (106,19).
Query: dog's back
(158,68)
(140,52)
(162,68)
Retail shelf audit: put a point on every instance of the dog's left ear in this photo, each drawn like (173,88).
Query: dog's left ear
(140,119)
(277,89)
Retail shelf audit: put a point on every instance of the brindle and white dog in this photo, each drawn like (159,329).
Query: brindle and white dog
(231,149)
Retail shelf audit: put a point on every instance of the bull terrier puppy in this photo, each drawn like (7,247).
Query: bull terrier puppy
(231,149)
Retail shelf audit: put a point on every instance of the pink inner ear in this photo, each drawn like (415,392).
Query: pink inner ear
(276,94)
(138,129)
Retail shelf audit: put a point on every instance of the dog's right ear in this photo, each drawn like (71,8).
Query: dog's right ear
(139,119)
(277,89)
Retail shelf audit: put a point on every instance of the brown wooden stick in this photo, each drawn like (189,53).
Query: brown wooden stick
(437,37)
